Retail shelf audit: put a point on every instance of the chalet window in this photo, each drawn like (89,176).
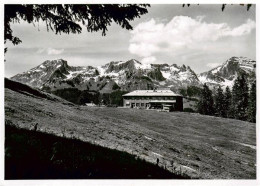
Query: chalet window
(142,104)
(137,104)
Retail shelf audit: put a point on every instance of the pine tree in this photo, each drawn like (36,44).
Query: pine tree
(228,111)
(69,18)
(240,98)
(252,103)
(220,103)
(206,103)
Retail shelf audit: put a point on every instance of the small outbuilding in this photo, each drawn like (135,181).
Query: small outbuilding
(165,100)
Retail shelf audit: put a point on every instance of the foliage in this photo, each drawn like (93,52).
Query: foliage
(206,102)
(115,98)
(183,92)
(252,103)
(146,78)
(239,104)
(68,18)
(188,110)
(219,103)
(240,97)
(77,96)
(115,87)
(228,103)
(190,91)
(223,6)
(193,91)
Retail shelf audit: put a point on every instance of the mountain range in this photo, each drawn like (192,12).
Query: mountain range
(130,75)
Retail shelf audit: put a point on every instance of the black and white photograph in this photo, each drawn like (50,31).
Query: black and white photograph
(109,91)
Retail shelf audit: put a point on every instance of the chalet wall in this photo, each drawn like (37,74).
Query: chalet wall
(144,102)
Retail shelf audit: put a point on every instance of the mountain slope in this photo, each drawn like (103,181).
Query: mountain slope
(202,146)
(131,75)
(225,74)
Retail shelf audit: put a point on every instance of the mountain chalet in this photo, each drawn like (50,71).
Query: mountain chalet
(165,100)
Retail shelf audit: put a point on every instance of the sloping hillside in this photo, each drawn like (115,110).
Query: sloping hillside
(200,146)
(32,154)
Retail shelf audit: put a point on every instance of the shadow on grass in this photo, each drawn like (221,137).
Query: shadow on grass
(37,155)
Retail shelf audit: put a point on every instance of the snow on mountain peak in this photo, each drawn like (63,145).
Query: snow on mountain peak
(131,75)
(225,74)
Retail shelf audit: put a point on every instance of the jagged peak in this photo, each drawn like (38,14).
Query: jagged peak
(134,61)
(240,59)
(53,63)
(174,65)
(131,61)
(234,60)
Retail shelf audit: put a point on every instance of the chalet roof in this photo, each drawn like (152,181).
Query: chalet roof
(162,101)
(152,93)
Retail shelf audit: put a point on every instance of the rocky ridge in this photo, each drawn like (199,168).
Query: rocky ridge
(131,75)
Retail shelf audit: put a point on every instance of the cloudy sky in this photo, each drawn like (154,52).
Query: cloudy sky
(201,37)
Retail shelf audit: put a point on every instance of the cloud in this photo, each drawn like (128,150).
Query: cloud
(143,49)
(40,51)
(213,65)
(242,29)
(150,59)
(182,33)
(50,51)
(53,51)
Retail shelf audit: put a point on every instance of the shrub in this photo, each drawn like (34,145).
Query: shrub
(115,87)
(188,110)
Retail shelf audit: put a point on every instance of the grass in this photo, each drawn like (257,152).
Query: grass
(204,147)
(36,155)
